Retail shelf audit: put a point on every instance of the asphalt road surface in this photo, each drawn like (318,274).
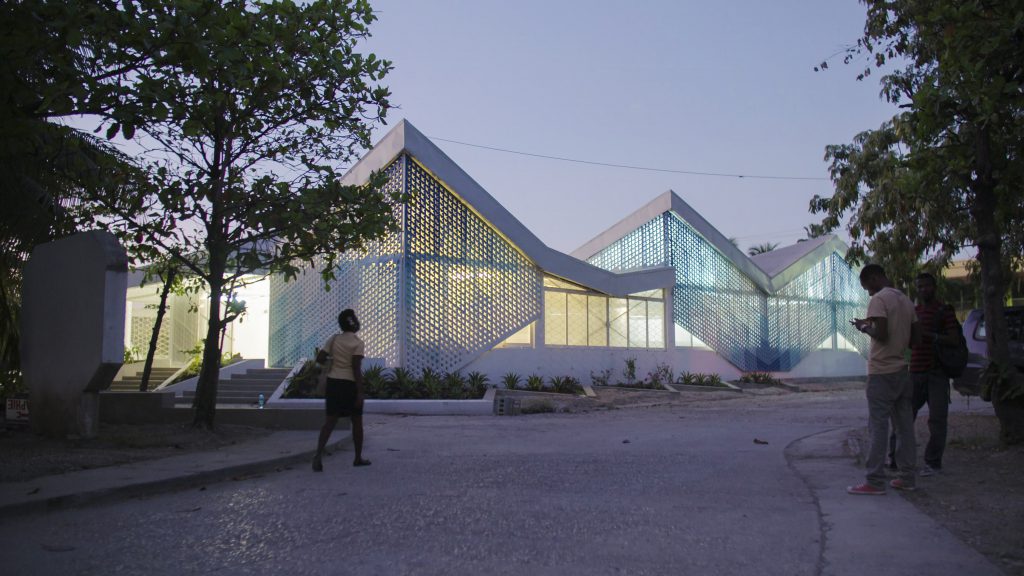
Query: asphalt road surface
(752,485)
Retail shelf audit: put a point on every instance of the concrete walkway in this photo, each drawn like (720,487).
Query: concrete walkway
(98,485)
(856,528)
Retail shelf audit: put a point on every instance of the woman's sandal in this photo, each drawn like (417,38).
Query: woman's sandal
(361,462)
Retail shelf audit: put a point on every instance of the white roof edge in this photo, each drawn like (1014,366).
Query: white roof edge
(656,207)
(721,243)
(404,137)
(801,264)
(670,201)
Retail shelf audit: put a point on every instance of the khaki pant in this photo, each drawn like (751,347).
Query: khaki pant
(891,396)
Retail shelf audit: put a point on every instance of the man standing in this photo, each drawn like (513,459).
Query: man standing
(892,326)
(931,385)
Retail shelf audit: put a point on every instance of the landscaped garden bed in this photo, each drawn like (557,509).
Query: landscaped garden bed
(398,384)
(661,378)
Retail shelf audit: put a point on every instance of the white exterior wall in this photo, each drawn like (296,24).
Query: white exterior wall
(828,364)
(581,362)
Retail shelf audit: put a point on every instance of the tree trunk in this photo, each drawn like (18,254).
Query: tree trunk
(148,368)
(993,291)
(205,402)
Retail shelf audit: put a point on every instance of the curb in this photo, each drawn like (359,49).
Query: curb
(154,487)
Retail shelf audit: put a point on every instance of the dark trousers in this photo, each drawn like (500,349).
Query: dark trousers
(931,388)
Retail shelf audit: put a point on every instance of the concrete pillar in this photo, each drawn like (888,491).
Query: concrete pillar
(72,330)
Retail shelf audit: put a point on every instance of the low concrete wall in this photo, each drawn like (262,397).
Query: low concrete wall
(158,408)
(828,364)
(420,407)
(136,407)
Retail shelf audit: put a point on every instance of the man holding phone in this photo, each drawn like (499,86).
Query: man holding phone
(891,323)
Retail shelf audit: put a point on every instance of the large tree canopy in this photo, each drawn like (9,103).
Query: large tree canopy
(249,111)
(245,109)
(47,56)
(945,173)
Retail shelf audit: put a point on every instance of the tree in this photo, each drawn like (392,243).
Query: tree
(47,50)
(944,173)
(762,248)
(248,109)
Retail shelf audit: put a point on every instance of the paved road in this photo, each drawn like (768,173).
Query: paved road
(678,489)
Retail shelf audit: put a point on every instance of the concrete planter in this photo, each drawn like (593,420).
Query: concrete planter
(416,407)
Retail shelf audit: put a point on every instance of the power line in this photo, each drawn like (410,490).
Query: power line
(629,167)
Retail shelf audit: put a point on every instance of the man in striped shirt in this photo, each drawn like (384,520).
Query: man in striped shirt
(931,385)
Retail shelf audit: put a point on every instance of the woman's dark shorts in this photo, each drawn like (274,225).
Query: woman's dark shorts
(340,398)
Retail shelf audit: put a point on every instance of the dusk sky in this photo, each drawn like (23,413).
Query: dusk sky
(714,87)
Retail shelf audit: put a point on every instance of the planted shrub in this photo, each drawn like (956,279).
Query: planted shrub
(431,384)
(700,379)
(402,384)
(476,385)
(374,384)
(566,385)
(511,381)
(662,374)
(601,378)
(453,385)
(629,373)
(759,378)
(303,382)
(534,383)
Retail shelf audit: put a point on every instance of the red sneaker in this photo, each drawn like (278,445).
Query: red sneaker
(901,485)
(866,489)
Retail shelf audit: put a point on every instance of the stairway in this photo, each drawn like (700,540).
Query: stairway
(131,383)
(245,388)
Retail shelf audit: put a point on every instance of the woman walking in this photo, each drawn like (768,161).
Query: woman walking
(344,393)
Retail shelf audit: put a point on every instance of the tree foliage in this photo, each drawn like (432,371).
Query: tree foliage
(46,56)
(763,248)
(945,173)
(248,109)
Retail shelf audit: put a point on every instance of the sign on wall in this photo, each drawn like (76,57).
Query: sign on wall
(17,410)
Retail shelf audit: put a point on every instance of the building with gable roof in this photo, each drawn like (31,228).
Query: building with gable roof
(464,286)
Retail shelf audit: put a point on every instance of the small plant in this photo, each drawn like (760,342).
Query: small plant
(601,378)
(431,384)
(759,378)
(700,379)
(374,385)
(511,381)
(453,385)
(402,384)
(132,354)
(534,383)
(662,374)
(303,382)
(476,385)
(630,372)
(566,385)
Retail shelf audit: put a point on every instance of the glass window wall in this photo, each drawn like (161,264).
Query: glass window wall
(575,316)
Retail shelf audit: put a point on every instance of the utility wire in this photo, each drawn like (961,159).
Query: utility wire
(629,167)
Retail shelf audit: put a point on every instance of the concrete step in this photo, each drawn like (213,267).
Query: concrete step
(275,375)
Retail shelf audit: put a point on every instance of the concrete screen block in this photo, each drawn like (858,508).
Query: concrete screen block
(72,330)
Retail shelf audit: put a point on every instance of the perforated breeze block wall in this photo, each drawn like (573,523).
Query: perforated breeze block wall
(719,304)
(437,295)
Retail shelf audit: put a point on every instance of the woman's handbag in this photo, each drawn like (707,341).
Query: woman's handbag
(322,370)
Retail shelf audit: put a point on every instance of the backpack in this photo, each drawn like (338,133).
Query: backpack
(952,358)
